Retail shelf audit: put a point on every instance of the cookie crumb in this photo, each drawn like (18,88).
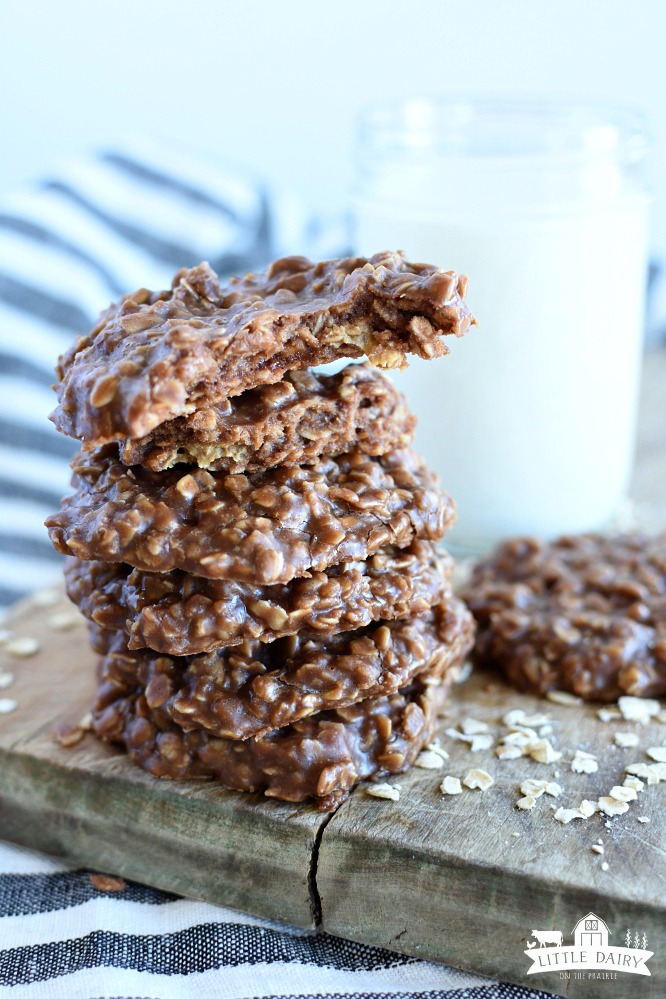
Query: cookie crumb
(68,735)
(107,883)
(597,848)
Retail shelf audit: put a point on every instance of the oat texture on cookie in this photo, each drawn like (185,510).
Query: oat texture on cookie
(254,543)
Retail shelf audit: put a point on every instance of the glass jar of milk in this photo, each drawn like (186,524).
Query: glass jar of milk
(531,420)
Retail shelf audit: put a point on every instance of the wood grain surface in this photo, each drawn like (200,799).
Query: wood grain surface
(463,879)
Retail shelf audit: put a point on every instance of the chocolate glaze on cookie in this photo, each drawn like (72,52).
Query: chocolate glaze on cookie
(159,355)
(253,688)
(585,613)
(268,527)
(292,422)
(321,757)
(180,614)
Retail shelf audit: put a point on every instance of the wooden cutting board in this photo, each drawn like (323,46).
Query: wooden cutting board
(463,879)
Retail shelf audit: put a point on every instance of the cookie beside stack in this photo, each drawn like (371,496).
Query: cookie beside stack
(253,543)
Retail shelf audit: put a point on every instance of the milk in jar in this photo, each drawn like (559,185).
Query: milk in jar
(531,420)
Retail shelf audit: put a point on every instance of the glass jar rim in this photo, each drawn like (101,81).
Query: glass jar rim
(533,129)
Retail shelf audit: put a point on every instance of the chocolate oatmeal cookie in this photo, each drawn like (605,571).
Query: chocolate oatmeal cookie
(253,688)
(585,614)
(159,355)
(180,614)
(292,422)
(321,757)
(268,527)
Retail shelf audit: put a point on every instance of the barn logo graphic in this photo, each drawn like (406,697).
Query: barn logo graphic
(590,951)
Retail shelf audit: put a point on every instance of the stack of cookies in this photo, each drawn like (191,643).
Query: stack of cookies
(252,542)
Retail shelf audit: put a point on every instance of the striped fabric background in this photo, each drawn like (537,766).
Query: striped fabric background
(121,220)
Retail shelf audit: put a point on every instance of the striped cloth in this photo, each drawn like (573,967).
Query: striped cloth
(121,220)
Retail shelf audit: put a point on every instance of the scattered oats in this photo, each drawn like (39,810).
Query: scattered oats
(608,714)
(514,717)
(451,785)
(534,721)
(462,673)
(642,818)
(470,726)
(661,717)
(587,808)
(639,709)
(556,773)
(584,763)
(86,724)
(542,751)
(563,697)
(538,787)
(565,815)
(516,834)
(428,760)
(475,742)
(545,730)
(387,791)
(22,648)
(611,806)
(480,742)
(626,739)
(529,801)
(5,635)
(6,680)
(522,730)
(478,779)
(508,752)
(7,705)
(533,788)
(623,793)
(597,848)
(634,782)
(650,773)
(518,737)
(659,769)
(46,598)
(434,747)
(604,866)
(657,753)
(64,621)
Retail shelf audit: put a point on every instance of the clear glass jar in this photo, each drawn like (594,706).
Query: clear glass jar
(531,420)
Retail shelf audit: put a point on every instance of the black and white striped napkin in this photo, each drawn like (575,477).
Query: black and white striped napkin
(123,219)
